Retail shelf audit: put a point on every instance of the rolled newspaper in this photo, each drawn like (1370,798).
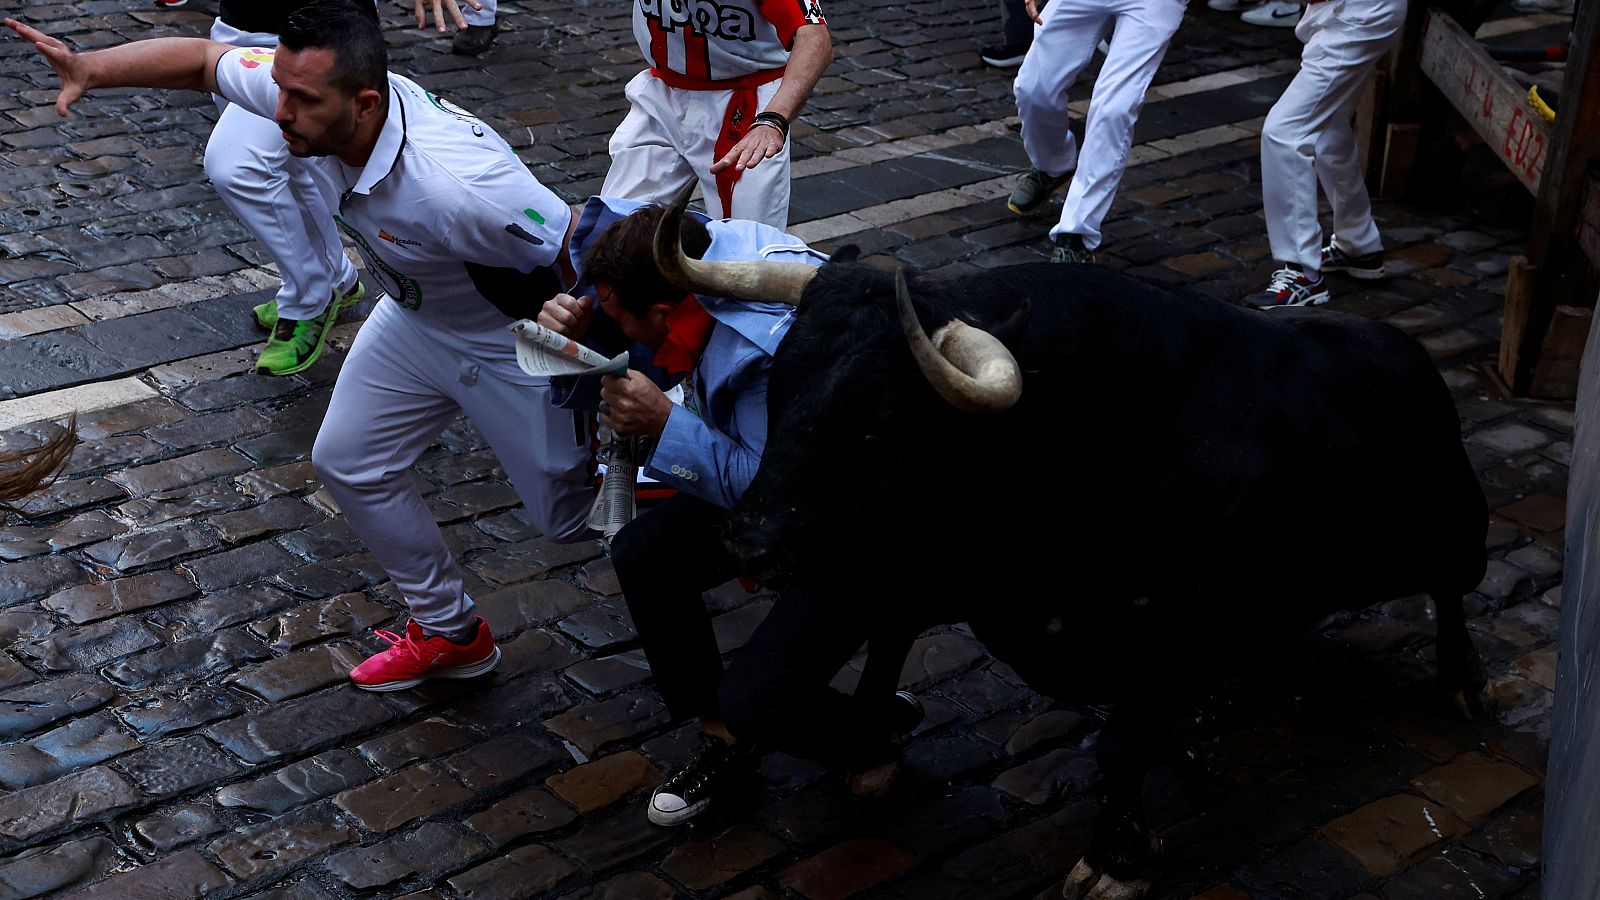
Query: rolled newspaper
(615,505)
(541,351)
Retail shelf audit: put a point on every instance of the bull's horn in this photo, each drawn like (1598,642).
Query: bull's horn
(969,367)
(22,471)
(773,282)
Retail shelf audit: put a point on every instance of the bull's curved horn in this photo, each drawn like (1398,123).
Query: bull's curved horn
(23,471)
(969,367)
(773,282)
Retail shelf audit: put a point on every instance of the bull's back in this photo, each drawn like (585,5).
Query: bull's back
(1270,451)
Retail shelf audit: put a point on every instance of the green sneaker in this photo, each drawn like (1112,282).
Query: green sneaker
(267,313)
(1069,249)
(297,343)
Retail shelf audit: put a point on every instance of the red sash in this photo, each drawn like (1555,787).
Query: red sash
(741,111)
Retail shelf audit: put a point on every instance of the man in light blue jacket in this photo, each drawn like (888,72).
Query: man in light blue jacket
(719,350)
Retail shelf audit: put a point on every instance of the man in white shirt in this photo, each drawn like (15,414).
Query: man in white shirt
(462,238)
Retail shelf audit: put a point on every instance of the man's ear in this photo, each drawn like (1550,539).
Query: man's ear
(368,102)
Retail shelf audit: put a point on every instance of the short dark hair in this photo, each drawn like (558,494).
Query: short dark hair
(622,256)
(350,29)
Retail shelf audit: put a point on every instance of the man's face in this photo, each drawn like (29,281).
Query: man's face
(650,330)
(317,118)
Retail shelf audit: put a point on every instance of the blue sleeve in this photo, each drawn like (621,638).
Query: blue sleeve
(694,457)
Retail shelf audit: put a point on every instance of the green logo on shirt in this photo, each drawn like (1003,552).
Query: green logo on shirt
(534,215)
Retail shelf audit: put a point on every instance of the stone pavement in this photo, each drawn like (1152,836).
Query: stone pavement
(178,612)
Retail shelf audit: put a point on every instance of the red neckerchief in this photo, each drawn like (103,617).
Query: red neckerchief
(688,332)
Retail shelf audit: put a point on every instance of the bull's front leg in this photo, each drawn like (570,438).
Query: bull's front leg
(1461,675)
(1117,864)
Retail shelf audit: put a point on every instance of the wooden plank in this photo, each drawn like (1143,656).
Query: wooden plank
(1589,221)
(1495,106)
(1514,322)
(1555,375)
(1399,159)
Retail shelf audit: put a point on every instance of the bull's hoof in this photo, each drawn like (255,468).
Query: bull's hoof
(1470,704)
(875,782)
(1080,880)
(1085,882)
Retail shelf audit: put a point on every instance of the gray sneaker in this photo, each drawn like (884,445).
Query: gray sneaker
(1069,249)
(1033,189)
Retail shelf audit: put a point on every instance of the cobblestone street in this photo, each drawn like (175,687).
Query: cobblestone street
(178,612)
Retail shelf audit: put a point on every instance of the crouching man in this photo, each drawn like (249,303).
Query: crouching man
(461,238)
(719,349)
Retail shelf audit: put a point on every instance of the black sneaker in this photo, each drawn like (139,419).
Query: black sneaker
(1033,189)
(904,715)
(690,789)
(1291,286)
(1069,249)
(1366,267)
(1005,56)
(474,39)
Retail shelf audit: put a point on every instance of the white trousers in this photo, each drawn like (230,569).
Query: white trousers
(1062,47)
(669,138)
(275,197)
(476,17)
(1309,135)
(397,391)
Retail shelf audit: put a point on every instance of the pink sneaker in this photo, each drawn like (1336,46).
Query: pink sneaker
(414,658)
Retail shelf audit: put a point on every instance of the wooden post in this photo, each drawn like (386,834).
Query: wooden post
(1395,122)
(1566,200)
(1411,124)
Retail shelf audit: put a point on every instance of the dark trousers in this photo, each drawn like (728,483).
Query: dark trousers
(1015,25)
(775,692)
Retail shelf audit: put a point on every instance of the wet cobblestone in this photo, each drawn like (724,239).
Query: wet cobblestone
(177,612)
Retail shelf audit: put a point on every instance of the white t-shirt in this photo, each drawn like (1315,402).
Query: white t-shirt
(451,224)
(714,41)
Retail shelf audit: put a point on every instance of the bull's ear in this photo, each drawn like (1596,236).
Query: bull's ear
(1011,330)
(847,253)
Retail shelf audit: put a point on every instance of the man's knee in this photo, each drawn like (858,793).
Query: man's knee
(234,168)
(335,457)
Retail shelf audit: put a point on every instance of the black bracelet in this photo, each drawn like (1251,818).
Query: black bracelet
(774,119)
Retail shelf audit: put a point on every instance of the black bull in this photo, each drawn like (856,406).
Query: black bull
(1172,461)
(1179,481)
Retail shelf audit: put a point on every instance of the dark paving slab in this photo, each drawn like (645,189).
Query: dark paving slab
(175,614)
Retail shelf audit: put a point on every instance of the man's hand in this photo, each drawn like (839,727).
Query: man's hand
(69,66)
(566,315)
(439,8)
(1031,7)
(760,142)
(632,404)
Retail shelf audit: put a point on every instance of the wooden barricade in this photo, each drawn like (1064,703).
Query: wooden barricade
(1550,293)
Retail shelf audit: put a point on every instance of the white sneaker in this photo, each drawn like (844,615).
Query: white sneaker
(1274,14)
(1230,5)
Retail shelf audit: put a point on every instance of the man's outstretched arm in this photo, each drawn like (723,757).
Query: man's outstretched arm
(178,63)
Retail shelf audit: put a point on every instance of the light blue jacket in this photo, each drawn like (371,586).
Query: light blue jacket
(714,455)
